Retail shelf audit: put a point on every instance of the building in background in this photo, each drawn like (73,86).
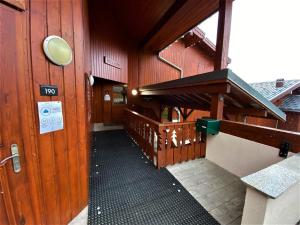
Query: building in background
(286,95)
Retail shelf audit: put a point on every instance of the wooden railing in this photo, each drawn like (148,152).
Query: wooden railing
(164,143)
(264,135)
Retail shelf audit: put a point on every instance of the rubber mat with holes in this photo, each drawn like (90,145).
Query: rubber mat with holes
(125,188)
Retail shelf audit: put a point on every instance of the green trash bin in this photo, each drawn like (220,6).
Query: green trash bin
(208,126)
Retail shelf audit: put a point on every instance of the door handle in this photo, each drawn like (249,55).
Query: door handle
(15,157)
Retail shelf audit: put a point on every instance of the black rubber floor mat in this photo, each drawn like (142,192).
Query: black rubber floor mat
(125,188)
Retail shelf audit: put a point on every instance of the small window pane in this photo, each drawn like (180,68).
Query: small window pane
(119,95)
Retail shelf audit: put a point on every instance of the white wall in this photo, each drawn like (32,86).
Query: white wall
(240,156)
(259,209)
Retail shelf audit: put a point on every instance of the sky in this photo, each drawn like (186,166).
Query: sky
(264,39)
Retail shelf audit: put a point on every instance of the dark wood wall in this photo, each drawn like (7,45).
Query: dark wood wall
(192,60)
(57,162)
(292,122)
(108,43)
(261,121)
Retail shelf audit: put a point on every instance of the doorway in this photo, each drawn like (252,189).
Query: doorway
(109,99)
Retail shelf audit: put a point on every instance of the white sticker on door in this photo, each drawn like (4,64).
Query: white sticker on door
(50,116)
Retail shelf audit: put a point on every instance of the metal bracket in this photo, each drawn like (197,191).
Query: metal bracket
(15,158)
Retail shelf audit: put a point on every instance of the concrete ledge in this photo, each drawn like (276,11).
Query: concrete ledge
(276,179)
(273,194)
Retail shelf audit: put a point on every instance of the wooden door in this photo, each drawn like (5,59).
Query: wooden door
(15,199)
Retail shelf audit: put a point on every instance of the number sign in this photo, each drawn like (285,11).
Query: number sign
(48,90)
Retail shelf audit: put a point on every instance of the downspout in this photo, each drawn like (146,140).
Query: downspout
(170,63)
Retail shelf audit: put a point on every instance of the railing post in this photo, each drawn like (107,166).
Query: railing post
(161,152)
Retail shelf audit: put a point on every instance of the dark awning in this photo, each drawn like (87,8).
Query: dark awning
(195,92)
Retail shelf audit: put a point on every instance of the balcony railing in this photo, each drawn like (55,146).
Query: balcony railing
(164,143)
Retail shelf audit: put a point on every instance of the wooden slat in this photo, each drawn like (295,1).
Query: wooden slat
(184,149)
(191,150)
(56,77)
(82,119)
(27,118)
(40,74)
(169,148)
(71,110)
(264,135)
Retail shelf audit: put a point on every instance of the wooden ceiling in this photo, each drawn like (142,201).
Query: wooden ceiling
(196,92)
(155,24)
(138,17)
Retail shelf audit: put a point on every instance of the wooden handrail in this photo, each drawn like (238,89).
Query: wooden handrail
(179,123)
(144,117)
(264,135)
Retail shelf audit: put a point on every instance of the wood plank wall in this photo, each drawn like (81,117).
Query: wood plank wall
(63,154)
(57,162)
(261,121)
(193,60)
(107,40)
(292,122)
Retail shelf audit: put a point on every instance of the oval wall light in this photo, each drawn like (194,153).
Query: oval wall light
(57,50)
(134,92)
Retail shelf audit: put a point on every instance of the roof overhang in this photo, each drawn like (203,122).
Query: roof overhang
(195,92)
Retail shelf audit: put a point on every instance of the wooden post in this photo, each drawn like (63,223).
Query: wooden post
(184,114)
(170,113)
(217,105)
(223,36)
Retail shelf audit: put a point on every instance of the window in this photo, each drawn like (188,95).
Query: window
(119,94)
(164,114)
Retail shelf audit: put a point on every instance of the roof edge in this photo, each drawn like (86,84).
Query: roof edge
(286,92)
(240,83)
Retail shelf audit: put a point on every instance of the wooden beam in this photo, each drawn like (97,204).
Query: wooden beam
(216,88)
(189,113)
(181,112)
(192,100)
(217,105)
(223,36)
(187,14)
